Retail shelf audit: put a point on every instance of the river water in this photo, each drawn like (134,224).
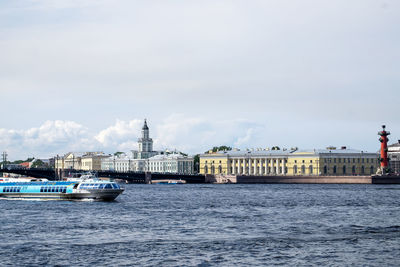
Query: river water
(208,225)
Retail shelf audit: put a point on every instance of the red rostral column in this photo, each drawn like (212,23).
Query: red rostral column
(384,139)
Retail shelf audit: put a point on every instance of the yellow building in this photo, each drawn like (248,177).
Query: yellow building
(92,161)
(330,161)
(88,161)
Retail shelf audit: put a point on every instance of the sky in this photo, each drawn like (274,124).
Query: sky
(83,75)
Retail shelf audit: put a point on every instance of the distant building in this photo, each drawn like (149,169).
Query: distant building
(170,163)
(145,145)
(87,161)
(394,157)
(146,159)
(120,163)
(92,161)
(330,161)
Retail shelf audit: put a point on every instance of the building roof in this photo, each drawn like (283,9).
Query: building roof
(169,156)
(272,153)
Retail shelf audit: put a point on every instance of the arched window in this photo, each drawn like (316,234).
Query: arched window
(353,170)
(334,169)
(303,169)
(325,170)
(344,169)
(310,169)
(220,169)
(295,169)
(212,169)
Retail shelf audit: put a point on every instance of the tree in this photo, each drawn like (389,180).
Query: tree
(39,164)
(221,148)
(196,163)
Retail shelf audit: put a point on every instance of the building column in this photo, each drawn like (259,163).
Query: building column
(266,166)
(272,166)
(233,166)
(260,168)
(277,166)
(255,166)
(283,166)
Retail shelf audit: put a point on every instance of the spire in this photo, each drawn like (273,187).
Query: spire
(145,125)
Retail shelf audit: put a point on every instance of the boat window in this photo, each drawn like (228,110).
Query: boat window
(41,189)
(108,186)
(101,186)
(19,189)
(115,186)
(53,189)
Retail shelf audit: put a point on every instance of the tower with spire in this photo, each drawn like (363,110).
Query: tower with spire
(145,143)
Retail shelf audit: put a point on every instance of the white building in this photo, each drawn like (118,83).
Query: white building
(120,162)
(170,163)
(394,157)
(145,159)
(145,145)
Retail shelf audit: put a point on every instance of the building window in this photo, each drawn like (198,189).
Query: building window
(303,160)
(334,169)
(372,170)
(303,169)
(310,161)
(362,169)
(340,160)
(220,169)
(325,170)
(295,169)
(295,161)
(310,169)
(344,169)
(205,169)
(334,160)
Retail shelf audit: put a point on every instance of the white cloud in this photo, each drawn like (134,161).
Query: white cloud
(50,138)
(245,140)
(197,134)
(121,135)
(188,134)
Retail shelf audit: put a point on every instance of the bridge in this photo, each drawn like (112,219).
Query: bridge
(130,177)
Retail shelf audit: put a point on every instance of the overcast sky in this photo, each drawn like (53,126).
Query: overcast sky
(82,75)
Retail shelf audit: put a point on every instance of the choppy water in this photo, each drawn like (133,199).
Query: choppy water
(209,225)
